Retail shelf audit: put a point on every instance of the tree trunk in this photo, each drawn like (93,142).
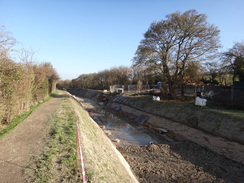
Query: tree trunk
(171,92)
(182,90)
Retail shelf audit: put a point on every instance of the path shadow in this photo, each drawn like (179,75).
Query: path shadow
(58,95)
(16,164)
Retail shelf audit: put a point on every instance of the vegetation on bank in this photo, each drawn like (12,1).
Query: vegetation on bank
(58,162)
(22,82)
(8,127)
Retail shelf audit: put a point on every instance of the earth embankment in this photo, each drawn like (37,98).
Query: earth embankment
(103,161)
(205,119)
(211,120)
(180,160)
(214,129)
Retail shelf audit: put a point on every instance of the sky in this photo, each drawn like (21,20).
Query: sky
(88,36)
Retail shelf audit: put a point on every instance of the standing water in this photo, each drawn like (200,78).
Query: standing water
(124,131)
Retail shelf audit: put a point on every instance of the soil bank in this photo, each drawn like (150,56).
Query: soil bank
(219,132)
(103,162)
(178,161)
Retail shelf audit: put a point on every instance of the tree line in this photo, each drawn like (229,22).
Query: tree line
(23,83)
(182,49)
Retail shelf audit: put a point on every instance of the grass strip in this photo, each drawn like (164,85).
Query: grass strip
(58,162)
(224,111)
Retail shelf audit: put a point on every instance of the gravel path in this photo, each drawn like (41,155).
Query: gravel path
(18,146)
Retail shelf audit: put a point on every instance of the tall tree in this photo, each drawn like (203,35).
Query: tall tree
(233,61)
(170,44)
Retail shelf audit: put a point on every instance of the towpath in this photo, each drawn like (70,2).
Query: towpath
(18,146)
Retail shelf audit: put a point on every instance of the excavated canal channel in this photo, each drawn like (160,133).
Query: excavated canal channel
(157,158)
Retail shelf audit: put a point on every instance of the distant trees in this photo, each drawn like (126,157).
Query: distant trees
(22,84)
(173,44)
(102,79)
(180,50)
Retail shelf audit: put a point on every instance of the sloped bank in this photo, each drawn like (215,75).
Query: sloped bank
(91,94)
(103,161)
(218,132)
(215,123)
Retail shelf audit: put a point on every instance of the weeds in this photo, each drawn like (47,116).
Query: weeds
(58,162)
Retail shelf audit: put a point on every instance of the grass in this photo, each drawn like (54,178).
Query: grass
(231,112)
(10,126)
(190,104)
(58,161)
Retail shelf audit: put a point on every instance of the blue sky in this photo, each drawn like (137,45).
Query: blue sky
(87,36)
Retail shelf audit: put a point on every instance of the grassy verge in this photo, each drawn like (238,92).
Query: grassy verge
(58,162)
(225,111)
(177,104)
(19,119)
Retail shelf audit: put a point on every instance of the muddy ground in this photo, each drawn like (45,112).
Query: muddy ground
(177,161)
(180,162)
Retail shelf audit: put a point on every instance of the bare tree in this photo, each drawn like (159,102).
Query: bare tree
(103,79)
(22,83)
(170,44)
(233,61)
(6,41)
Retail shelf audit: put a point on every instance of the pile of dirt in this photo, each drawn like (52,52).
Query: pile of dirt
(180,162)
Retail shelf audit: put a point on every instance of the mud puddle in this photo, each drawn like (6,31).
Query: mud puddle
(123,132)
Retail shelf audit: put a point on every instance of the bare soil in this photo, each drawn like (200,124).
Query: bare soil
(178,161)
(181,162)
(25,141)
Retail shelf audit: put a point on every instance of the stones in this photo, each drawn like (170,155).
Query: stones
(142,119)
(116,140)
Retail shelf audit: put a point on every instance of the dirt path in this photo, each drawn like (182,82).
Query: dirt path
(17,147)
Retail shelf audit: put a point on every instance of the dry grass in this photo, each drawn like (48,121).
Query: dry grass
(58,162)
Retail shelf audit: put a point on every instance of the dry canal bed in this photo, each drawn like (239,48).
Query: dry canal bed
(155,159)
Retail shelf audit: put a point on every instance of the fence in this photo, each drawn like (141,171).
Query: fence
(230,96)
(131,88)
(139,88)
